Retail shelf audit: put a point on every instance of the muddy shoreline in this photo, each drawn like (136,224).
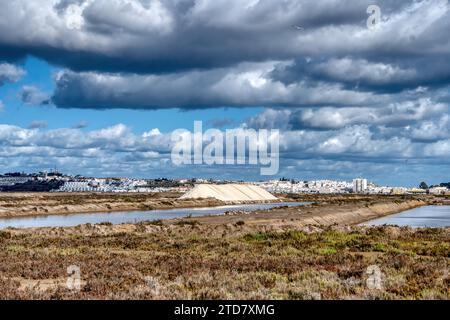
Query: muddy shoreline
(14,205)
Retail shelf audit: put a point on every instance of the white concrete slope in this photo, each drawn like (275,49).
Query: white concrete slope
(229,192)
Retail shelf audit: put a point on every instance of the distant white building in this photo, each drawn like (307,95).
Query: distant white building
(359,185)
(314,186)
(439,190)
(76,186)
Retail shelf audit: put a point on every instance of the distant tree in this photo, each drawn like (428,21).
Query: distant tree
(423,185)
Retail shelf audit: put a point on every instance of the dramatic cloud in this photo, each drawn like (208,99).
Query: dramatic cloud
(329,118)
(117,148)
(116,138)
(414,132)
(71,149)
(247,85)
(361,74)
(130,43)
(154,35)
(393,115)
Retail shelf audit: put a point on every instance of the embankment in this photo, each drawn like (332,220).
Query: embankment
(356,215)
(321,214)
(35,204)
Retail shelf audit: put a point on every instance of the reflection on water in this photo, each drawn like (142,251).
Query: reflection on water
(429,216)
(131,216)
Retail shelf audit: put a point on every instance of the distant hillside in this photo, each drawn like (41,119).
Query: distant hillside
(33,186)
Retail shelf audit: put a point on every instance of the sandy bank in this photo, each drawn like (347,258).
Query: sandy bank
(321,215)
(35,204)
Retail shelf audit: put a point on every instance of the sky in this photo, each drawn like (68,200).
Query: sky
(96,87)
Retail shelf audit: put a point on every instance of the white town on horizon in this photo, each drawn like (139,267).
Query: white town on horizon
(58,182)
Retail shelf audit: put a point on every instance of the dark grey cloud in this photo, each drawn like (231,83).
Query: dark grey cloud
(246,85)
(378,75)
(153,50)
(144,36)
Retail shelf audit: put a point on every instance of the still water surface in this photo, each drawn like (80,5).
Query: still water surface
(429,216)
(131,216)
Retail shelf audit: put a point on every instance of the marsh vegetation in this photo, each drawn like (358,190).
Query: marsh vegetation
(194,261)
